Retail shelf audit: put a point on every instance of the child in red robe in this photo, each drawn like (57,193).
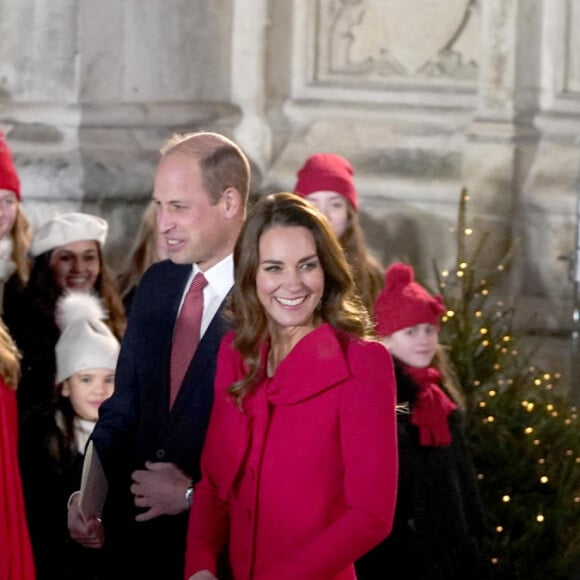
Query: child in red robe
(16,561)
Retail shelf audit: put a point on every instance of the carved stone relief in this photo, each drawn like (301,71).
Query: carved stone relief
(386,41)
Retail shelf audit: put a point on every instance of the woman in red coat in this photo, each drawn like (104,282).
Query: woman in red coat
(300,462)
(16,561)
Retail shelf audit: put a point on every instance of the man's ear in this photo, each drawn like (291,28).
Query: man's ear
(232,202)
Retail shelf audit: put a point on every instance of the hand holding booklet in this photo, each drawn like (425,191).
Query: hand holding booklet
(93,485)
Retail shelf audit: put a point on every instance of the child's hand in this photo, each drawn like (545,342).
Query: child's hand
(89,533)
(203,575)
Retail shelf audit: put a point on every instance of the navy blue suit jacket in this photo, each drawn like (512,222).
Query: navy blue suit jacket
(135,425)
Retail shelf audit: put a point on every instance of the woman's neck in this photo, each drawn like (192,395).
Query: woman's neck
(282,341)
(277,353)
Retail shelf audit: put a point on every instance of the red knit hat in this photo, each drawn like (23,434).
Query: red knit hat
(8,176)
(403,302)
(327,172)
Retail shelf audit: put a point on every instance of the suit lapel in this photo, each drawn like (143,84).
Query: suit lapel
(165,318)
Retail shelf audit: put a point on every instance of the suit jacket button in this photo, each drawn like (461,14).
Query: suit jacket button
(160,453)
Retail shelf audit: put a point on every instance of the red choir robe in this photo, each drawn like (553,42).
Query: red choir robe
(16,560)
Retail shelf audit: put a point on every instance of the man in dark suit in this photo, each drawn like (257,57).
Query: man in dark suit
(149,436)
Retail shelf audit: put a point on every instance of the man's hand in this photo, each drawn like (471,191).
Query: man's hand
(89,533)
(160,487)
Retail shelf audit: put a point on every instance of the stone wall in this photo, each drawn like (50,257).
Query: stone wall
(424,97)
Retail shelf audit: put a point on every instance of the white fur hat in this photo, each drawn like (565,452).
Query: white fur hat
(67,228)
(85,342)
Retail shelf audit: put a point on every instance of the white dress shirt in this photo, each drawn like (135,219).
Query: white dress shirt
(220,279)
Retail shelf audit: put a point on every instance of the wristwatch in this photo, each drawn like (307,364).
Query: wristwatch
(189,495)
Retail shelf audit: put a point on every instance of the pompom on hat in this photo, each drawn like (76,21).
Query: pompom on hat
(403,302)
(8,176)
(67,228)
(85,341)
(327,172)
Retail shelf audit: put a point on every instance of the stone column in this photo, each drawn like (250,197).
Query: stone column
(553,187)
(248,81)
(90,90)
(502,122)
(39,109)
(502,138)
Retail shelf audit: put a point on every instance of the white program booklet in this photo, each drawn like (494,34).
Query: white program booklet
(93,485)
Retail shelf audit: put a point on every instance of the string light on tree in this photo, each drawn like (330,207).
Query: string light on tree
(522,433)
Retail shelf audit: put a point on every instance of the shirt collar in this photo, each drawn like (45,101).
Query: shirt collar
(219,277)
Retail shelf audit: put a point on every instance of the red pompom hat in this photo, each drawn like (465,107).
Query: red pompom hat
(403,302)
(327,172)
(8,176)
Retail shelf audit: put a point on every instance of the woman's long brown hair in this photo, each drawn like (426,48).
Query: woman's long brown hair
(21,238)
(367,272)
(339,306)
(142,255)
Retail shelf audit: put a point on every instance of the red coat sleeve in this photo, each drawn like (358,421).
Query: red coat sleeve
(16,561)
(209,515)
(369,448)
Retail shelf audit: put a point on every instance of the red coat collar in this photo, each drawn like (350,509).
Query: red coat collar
(315,364)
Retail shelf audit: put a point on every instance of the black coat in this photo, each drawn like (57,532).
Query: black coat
(34,330)
(438,517)
(135,425)
(51,471)
(12,297)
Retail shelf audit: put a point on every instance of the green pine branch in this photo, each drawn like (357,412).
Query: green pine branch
(523,433)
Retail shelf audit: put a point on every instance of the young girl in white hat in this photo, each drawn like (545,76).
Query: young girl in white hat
(54,438)
(67,256)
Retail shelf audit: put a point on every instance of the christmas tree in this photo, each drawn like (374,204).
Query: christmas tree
(523,432)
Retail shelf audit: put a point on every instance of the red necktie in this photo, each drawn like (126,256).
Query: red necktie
(187,334)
